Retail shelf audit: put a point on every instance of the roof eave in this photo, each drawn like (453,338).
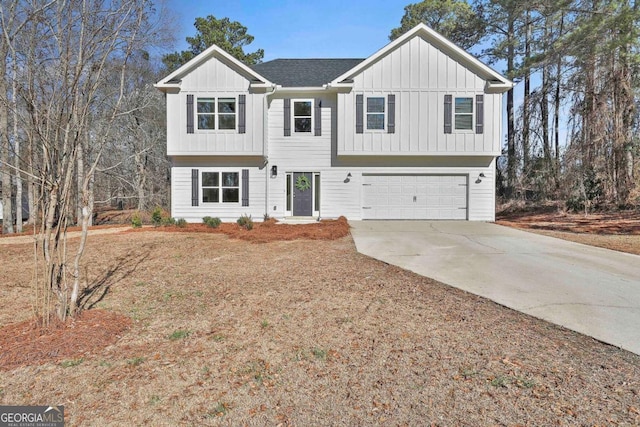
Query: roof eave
(261,85)
(499,87)
(166,86)
(340,85)
(302,88)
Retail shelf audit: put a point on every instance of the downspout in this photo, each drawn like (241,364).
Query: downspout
(265,137)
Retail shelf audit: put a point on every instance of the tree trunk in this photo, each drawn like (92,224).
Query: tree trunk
(141,180)
(544,105)
(544,118)
(5,147)
(526,102)
(16,147)
(512,161)
(80,178)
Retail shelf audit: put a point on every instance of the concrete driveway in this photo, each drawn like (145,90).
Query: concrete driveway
(590,290)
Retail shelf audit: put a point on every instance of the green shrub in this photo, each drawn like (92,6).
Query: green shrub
(245,222)
(211,222)
(169,221)
(181,222)
(136,221)
(575,204)
(156,216)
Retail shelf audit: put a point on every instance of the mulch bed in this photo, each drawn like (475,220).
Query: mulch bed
(267,231)
(623,222)
(29,343)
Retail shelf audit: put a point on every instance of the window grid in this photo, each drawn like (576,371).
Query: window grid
(463,117)
(206,113)
(220,187)
(225,110)
(302,116)
(375,113)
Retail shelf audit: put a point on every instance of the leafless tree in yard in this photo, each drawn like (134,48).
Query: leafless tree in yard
(73,60)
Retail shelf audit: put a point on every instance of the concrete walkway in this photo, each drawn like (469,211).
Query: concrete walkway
(590,290)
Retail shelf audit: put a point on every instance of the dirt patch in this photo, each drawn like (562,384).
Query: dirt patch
(302,332)
(618,231)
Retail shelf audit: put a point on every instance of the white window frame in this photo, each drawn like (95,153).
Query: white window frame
(221,187)
(472,114)
(216,113)
(293,116)
(317,193)
(383,113)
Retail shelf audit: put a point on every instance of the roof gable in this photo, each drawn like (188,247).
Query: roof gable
(173,79)
(496,82)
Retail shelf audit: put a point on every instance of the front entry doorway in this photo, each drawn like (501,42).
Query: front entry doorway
(303,193)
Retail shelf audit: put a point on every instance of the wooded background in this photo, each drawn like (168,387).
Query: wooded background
(81,126)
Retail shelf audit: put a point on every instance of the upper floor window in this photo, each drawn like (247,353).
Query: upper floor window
(303,116)
(463,118)
(375,113)
(216,114)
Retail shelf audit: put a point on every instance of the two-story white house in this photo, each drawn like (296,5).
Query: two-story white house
(412,132)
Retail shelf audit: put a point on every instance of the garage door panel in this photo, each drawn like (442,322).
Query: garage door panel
(415,197)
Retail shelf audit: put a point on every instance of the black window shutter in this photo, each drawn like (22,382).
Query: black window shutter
(479,113)
(359,113)
(391,106)
(448,113)
(245,187)
(318,117)
(287,117)
(189,113)
(195,186)
(242,113)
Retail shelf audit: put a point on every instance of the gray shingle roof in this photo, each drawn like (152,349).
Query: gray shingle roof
(304,72)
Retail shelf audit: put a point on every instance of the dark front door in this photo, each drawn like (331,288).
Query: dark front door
(302,194)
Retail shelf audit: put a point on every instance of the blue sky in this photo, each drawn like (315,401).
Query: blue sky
(298,28)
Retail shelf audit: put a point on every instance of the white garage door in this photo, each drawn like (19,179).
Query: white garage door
(414,197)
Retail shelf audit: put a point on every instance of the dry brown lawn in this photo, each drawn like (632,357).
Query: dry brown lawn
(213,330)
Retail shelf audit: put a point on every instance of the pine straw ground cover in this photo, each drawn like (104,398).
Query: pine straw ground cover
(619,231)
(300,332)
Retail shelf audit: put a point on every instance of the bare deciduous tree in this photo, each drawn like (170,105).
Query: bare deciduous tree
(73,70)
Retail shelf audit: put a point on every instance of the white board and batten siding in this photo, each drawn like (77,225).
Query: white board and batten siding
(301,151)
(419,75)
(214,79)
(181,193)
